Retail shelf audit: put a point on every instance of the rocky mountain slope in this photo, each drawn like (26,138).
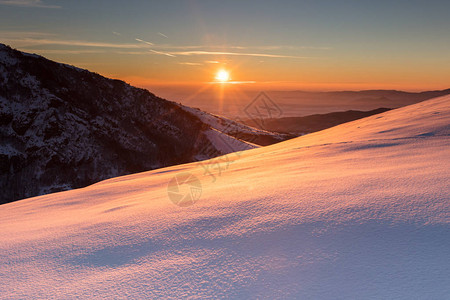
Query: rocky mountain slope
(62,127)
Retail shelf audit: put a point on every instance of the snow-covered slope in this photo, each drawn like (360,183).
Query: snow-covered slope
(358,211)
(238,129)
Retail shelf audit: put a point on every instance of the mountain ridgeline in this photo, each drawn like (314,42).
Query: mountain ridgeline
(302,125)
(62,127)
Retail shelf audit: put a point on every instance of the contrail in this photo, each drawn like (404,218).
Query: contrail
(145,42)
(162,53)
(163,35)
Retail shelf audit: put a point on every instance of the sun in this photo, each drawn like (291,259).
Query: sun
(223,76)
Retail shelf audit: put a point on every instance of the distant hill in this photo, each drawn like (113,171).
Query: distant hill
(297,103)
(302,125)
(303,103)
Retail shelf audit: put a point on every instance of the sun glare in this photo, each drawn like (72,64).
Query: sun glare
(223,76)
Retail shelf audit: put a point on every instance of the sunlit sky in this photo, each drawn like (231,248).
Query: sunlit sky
(282,44)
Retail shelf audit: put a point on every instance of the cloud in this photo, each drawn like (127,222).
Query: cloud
(132,52)
(284,47)
(163,35)
(188,53)
(189,63)
(232,82)
(234,54)
(41,39)
(27,3)
(145,42)
(162,53)
(25,33)
(237,47)
(116,33)
(26,42)
(62,51)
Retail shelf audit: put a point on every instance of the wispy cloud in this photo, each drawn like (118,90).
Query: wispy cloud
(132,52)
(285,47)
(116,33)
(28,3)
(235,54)
(232,82)
(63,51)
(189,53)
(190,64)
(145,42)
(237,47)
(19,35)
(163,35)
(211,53)
(37,40)
(28,42)
(162,53)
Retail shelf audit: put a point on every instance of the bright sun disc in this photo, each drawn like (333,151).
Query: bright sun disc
(222,76)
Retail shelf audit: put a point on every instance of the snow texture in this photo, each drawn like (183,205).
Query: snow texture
(357,211)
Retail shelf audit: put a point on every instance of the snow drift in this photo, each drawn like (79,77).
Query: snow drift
(357,211)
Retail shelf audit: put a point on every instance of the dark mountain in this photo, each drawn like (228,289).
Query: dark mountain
(308,124)
(390,98)
(303,103)
(62,127)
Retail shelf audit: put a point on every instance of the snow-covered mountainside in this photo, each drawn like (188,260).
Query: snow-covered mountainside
(62,127)
(357,211)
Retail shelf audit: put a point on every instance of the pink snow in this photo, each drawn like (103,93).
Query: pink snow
(357,211)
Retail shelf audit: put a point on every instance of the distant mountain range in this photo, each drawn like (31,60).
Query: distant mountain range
(302,125)
(62,127)
(304,103)
(298,103)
